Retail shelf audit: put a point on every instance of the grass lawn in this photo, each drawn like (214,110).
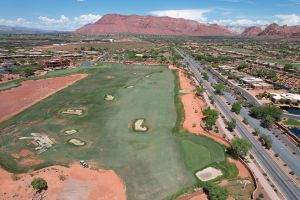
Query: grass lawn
(153,165)
(292,122)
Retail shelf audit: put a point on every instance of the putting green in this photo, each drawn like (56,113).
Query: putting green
(153,166)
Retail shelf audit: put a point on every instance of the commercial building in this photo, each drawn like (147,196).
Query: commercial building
(256,83)
(294,98)
(55,63)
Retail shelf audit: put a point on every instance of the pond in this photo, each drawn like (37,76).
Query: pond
(296,131)
(87,64)
(291,110)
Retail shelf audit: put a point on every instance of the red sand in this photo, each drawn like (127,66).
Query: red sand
(243,171)
(23,153)
(191,103)
(15,100)
(95,184)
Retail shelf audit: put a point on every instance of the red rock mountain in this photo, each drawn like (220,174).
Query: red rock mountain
(150,25)
(252,31)
(274,30)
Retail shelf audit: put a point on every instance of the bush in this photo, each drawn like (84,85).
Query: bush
(267,113)
(266,141)
(211,117)
(215,192)
(231,125)
(219,88)
(261,195)
(236,107)
(256,132)
(39,184)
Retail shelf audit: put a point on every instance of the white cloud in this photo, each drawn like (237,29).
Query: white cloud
(241,22)
(239,25)
(192,14)
(80,0)
(291,19)
(15,22)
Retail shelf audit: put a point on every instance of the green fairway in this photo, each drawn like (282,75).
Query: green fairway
(154,164)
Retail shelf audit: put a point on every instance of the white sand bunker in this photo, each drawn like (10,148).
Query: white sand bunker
(70,131)
(109,97)
(147,76)
(110,77)
(208,174)
(131,86)
(76,142)
(139,126)
(73,112)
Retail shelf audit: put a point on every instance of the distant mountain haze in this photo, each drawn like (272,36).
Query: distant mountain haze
(22,30)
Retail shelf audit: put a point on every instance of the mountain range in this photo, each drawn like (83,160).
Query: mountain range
(151,25)
(23,30)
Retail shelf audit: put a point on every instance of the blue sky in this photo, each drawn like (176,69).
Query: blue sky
(71,14)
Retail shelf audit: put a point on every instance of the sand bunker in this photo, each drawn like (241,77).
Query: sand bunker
(43,142)
(15,100)
(76,142)
(139,126)
(110,77)
(131,86)
(186,91)
(73,112)
(70,131)
(208,174)
(109,97)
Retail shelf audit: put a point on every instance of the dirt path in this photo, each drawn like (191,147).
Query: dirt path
(80,183)
(16,100)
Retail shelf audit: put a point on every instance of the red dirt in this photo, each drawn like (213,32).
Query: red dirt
(30,161)
(98,184)
(15,100)
(191,103)
(22,153)
(243,171)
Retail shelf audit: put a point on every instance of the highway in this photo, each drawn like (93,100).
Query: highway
(284,183)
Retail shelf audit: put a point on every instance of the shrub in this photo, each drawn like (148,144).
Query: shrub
(39,184)
(215,192)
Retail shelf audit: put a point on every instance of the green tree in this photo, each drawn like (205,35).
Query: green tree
(266,140)
(256,132)
(240,147)
(267,113)
(200,89)
(219,88)
(211,117)
(39,184)
(236,107)
(231,125)
(205,75)
(268,121)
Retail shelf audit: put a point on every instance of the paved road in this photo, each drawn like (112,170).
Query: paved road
(285,184)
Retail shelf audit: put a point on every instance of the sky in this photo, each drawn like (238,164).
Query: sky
(68,15)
